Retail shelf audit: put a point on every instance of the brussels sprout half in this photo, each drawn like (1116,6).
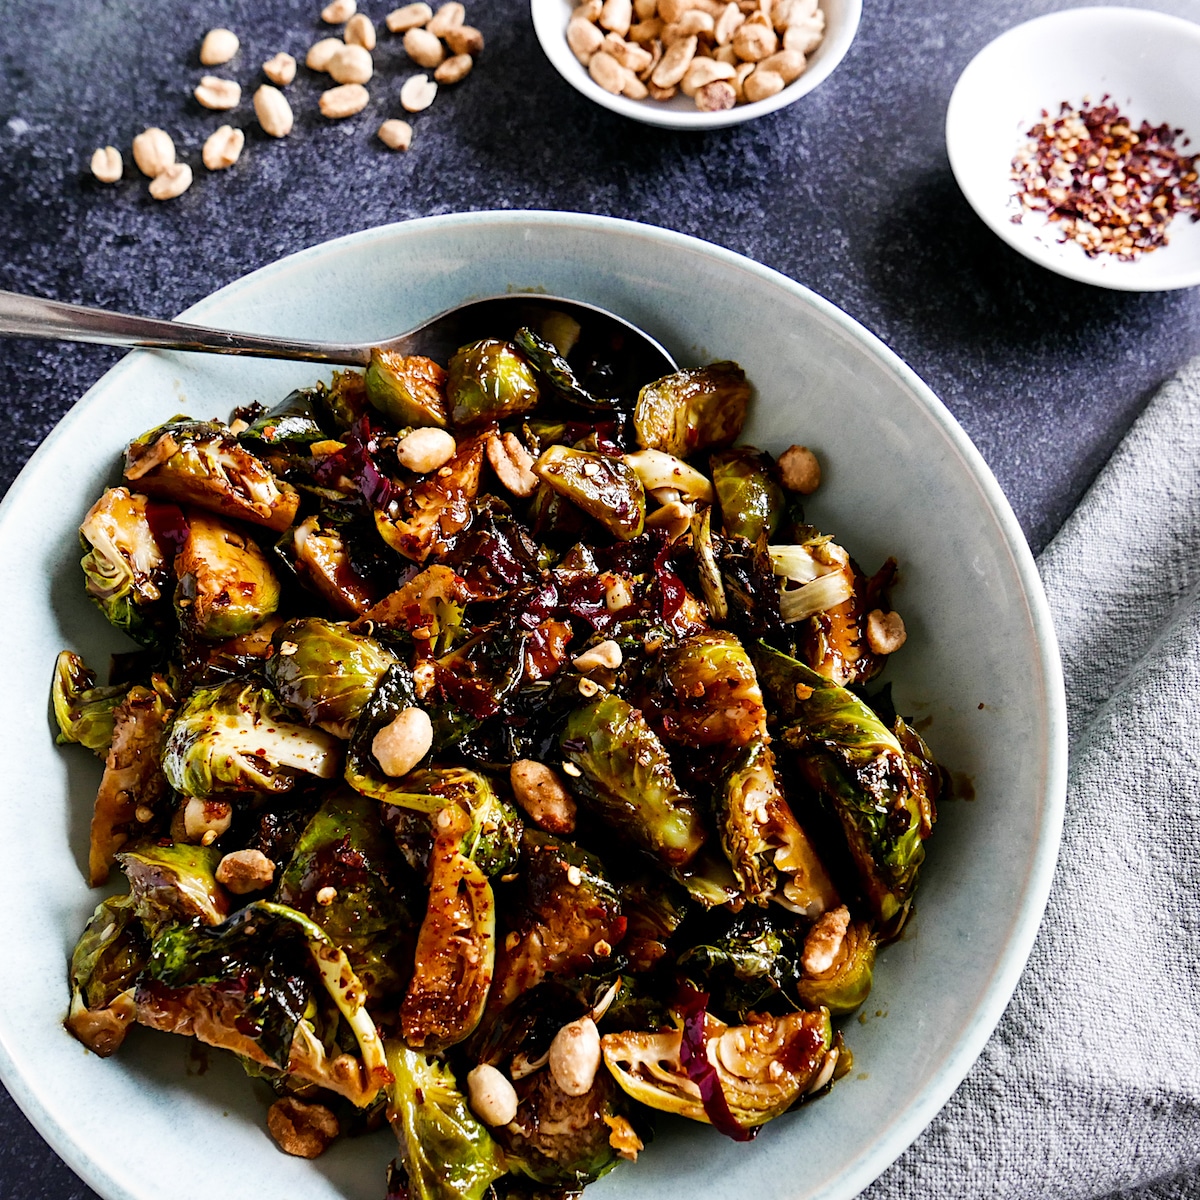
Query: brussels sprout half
(488,381)
(175,884)
(408,388)
(84,712)
(693,410)
(605,488)
(752,501)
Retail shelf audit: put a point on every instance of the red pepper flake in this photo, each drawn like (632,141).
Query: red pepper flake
(1111,189)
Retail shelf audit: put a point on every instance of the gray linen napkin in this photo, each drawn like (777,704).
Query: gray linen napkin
(1090,1086)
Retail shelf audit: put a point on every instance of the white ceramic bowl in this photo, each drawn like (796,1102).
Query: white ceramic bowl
(980,672)
(1148,62)
(550,19)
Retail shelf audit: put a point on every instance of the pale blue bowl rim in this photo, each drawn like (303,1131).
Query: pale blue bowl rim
(925,1106)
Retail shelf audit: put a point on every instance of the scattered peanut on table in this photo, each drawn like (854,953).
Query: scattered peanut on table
(719,54)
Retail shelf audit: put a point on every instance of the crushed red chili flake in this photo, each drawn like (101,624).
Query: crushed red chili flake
(1110,188)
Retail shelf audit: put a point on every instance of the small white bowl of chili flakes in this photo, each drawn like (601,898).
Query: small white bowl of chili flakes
(1076,137)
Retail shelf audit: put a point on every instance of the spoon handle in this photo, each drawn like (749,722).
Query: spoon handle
(28,316)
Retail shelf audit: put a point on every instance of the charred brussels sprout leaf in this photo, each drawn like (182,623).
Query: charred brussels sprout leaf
(84,712)
(567,917)
(344,847)
(746,968)
(320,555)
(133,778)
(326,672)
(761,1068)
(605,488)
(447,1154)
(488,381)
(771,855)
(408,388)
(235,737)
(125,567)
(693,410)
(709,693)
(201,463)
(557,371)
(751,500)
(291,424)
(110,955)
(627,779)
(881,794)
(175,884)
(225,584)
(456,951)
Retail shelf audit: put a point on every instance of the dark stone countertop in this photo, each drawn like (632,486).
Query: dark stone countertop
(848,191)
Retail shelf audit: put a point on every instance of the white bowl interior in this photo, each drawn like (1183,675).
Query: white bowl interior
(980,673)
(1148,62)
(550,19)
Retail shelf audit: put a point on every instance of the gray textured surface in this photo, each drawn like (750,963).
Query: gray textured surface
(848,191)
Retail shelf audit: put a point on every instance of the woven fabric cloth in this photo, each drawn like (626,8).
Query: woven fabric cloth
(1090,1086)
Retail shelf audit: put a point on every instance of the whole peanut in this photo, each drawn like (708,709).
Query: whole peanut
(339,102)
(106,164)
(218,47)
(223,148)
(273,111)
(424,48)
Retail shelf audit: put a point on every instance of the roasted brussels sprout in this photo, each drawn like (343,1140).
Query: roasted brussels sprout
(745,1074)
(408,388)
(488,381)
(235,737)
(291,426)
(751,500)
(225,584)
(84,712)
(882,796)
(748,967)
(562,1141)
(201,463)
(134,785)
(126,568)
(446,1153)
(105,965)
(771,856)
(627,779)
(175,884)
(693,410)
(605,488)
(456,948)
(321,558)
(345,847)
(847,983)
(567,918)
(437,508)
(555,369)
(326,672)
(709,694)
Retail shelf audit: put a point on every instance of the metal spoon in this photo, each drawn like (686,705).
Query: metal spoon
(607,343)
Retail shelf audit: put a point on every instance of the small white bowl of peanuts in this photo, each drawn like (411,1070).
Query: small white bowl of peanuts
(695,64)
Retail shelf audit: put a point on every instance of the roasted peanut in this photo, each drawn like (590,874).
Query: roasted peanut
(424,48)
(789,65)
(632,58)
(338,12)
(805,35)
(351,64)
(645,10)
(303,1129)
(153,151)
(754,42)
(617,16)
(447,17)
(728,23)
(396,135)
(223,148)
(320,54)
(633,87)
(411,16)
(218,47)
(589,10)
(493,1098)
(403,742)
(273,111)
(661,94)
(575,1056)
(464,39)
(645,32)
(280,69)
(702,72)
(454,69)
(245,871)
(424,450)
(359,31)
(336,103)
(607,72)
(512,463)
(605,654)
(692,23)
(542,796)
(824,941)
(674,64)
(760,85)
(218,94)
(202,817)
(172,182)
(584,39)
(885,631)
(418,93)
(800,470)
(107,166)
